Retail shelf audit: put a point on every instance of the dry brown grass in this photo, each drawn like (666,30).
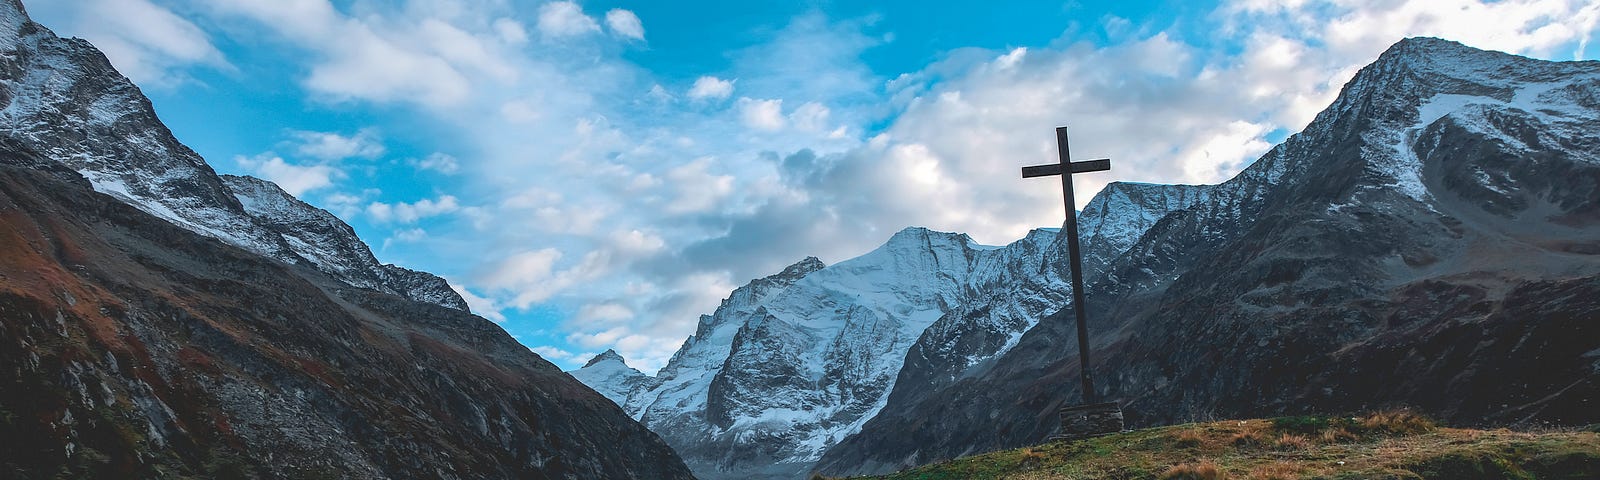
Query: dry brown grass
(1291,442)
(1285,448)
(1336,435)
(1031,457)
(1276,471)
(1396,422)
(1203,470)
(1189,438)
(1247,438)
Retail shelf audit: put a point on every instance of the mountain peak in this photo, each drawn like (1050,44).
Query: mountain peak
(925,235)
(802,268)
(1453,60)
(608,355)
(12,19)
(13,10)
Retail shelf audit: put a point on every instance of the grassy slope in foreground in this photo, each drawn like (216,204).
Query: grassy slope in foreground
(1376,446)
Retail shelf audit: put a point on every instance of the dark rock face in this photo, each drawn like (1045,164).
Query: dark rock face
(62,98)
(1430,240)
(131,348)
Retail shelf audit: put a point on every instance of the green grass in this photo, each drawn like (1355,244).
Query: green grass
(1386,445)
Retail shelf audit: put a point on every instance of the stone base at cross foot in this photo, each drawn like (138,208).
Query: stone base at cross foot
(1089,421)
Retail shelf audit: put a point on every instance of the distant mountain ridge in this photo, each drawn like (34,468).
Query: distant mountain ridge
(1442,192)
(60,95)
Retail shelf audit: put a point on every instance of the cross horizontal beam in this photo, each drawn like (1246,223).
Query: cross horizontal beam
(1077,167)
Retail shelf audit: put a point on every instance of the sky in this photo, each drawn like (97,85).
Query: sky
(598,174)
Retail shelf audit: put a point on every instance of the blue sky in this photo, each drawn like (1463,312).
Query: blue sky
(598,174)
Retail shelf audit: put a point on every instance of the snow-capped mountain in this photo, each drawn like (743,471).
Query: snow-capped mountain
(1431,240)
(790,364)
(63,99)
(610,375)
(1445,189)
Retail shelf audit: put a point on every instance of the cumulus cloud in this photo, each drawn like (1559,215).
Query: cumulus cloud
(565,19)
(762,114)
(625,23)
(484,307)
(329,146)
(555,354)
(292,178)
(425,61)
(710,87)
(409,235)
(522,270)
(697,189)
(438,162)
(810,116)
(403,212)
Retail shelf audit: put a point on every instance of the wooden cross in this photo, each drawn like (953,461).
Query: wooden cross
(1065,169)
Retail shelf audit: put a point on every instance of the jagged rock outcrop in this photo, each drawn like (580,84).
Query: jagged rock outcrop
(62,98)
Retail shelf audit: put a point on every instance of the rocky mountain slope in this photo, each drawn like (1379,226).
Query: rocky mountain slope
(160,321)
(791,364)
(62,98)
(1432,239)
(131,348)
(1423,241)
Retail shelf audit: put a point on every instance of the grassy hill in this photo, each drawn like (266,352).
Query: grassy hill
(1389,445)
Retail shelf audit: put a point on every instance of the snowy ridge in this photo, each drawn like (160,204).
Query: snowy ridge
(791,364)
(610,375)
(1116,217)
(63,99)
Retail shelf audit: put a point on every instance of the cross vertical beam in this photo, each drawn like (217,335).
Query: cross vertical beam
(1065,169)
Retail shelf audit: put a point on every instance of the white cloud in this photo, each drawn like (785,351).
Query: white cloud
(510,31)
(147,42)
(637,242)
(762,114)
(565,19)
(1010,59)
(370,58)
(696,189)
(411,212)
(531,276)
(328,146)
(438,162)
(625,23)
(557,355)
(710,87)
(608,312)
(484,307)
(811,116)
(522,269)
(292,178)
(410,235)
